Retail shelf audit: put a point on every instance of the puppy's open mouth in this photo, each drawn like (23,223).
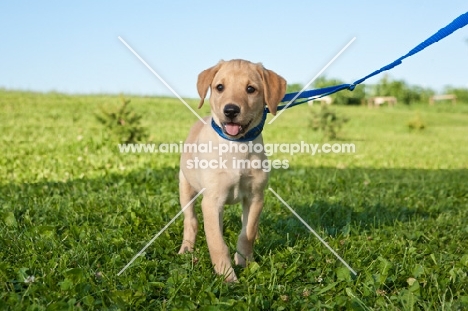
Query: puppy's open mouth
(234,129)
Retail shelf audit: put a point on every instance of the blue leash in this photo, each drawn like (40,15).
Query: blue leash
(456,24)
(304,97)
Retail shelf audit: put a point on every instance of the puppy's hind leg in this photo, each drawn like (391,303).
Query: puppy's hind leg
(187,193)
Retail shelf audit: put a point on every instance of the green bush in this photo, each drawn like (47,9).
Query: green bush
(416,123)
(123,123)
(327,121)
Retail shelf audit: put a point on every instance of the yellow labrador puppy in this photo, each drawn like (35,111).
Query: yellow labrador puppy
(240,91)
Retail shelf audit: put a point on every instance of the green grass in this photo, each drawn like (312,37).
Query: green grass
(74,211)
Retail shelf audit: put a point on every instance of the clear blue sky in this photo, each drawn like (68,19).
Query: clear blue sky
(73,47)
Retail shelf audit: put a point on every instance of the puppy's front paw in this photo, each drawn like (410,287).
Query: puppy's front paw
(231,278)
(223,267)
(186,248)
(242,260)
(239,260)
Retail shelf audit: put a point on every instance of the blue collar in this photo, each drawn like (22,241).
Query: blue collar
(249,136)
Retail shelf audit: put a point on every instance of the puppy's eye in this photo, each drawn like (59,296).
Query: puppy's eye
(220,87)
(250,89)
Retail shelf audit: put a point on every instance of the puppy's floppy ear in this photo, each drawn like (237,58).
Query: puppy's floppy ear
(204,80)
(274,89)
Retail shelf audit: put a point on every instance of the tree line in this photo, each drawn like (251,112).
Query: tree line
(404,92)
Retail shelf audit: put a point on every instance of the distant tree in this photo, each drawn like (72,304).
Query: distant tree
(401,90)
(295,87)
(344,97)
(461,93)
(404,92)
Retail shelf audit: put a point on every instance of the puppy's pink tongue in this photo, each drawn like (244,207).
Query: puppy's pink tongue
(232,128)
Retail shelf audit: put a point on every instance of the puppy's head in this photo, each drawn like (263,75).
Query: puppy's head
(239,92)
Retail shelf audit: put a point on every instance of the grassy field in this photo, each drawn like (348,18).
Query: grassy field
(74,211)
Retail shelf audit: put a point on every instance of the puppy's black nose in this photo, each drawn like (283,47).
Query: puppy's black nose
(231,111)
